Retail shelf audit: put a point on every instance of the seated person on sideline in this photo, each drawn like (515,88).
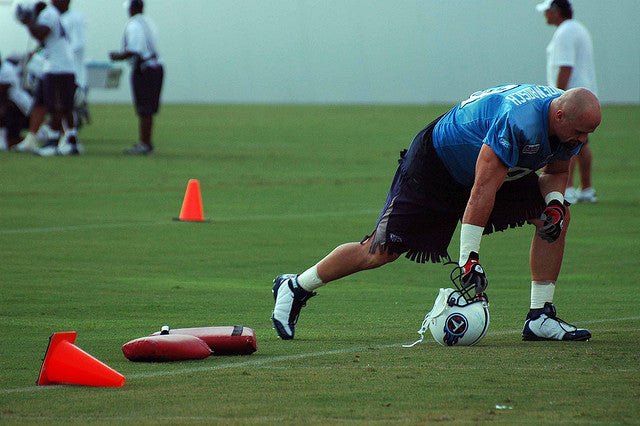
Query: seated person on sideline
(15,106)
(475,164)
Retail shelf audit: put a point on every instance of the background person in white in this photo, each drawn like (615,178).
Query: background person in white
(147,73)
(57,88)
(74,24)
(570,64)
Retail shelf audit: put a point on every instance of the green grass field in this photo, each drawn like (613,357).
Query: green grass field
(88,244)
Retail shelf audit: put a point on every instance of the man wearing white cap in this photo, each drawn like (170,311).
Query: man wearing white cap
(570,64)
(147,73)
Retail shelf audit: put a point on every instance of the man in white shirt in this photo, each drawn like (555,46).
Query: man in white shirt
(570,64)
(74,24)
(57,88)
(147,73)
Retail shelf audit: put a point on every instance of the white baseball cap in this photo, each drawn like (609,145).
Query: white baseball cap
(546,5)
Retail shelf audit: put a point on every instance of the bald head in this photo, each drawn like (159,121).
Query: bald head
(581,105)
(576,110)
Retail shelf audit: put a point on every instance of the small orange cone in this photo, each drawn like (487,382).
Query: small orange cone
(66,363)
(192,205)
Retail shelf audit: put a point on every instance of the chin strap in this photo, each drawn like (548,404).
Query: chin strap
(438,308)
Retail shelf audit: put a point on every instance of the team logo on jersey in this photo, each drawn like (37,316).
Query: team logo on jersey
(531,149)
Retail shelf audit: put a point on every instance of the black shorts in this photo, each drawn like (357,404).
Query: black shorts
(146,86)
(56,92)
(425,204)
(13,119)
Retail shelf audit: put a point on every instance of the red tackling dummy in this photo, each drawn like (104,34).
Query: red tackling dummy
(230,340)
(191,343)
(177,347)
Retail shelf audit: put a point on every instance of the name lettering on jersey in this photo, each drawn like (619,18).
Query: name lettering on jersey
(531,149)
(530,93)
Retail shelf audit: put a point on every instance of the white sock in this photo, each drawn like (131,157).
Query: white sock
(54,135)
(309,279)
(31,138)
(541,292)
(3,139)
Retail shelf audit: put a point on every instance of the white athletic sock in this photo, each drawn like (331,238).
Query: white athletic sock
(541,292)
(309,279)
(54,136)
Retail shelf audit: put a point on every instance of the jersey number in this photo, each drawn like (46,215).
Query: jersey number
(492,91)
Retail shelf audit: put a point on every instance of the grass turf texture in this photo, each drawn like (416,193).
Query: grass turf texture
(88,245)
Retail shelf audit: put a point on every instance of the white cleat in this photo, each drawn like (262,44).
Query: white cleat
(543,324)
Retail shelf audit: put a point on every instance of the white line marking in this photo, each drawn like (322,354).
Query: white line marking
(262,361)
(251,218)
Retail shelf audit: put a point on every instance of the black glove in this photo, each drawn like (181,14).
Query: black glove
(552,218)
(473,274)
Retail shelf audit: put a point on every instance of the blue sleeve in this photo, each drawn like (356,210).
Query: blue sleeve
(502,141)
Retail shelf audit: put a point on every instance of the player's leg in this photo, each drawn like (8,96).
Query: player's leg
(350,258)
(571,193)
(546,260)
(36,119)
(584,158)
(291,291)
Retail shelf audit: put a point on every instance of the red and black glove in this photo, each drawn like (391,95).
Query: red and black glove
(552,218)
(473,274)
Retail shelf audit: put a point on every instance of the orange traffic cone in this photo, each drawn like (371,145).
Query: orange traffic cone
(66,363)
(192,205)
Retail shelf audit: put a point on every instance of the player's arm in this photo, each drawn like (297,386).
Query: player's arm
(134,38)
(119,56)
(564,74)
(491,172)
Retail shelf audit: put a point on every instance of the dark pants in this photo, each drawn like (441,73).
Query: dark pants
(56,92)
(146,85)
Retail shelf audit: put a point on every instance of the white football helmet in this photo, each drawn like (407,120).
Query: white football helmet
(456,321)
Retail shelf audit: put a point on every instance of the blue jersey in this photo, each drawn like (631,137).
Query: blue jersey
(512,119)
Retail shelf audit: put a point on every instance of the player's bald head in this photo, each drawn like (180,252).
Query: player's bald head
(581,106)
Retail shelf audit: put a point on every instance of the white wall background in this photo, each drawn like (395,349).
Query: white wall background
(353,51)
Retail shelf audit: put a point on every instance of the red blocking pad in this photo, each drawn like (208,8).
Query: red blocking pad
(166,347)
(226,340)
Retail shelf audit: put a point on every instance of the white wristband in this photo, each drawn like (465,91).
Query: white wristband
(470,236)
(554,195)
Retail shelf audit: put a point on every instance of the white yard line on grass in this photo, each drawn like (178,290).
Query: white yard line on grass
(274,359)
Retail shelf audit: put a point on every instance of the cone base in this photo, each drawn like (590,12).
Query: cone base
(191,220)
(54,340)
